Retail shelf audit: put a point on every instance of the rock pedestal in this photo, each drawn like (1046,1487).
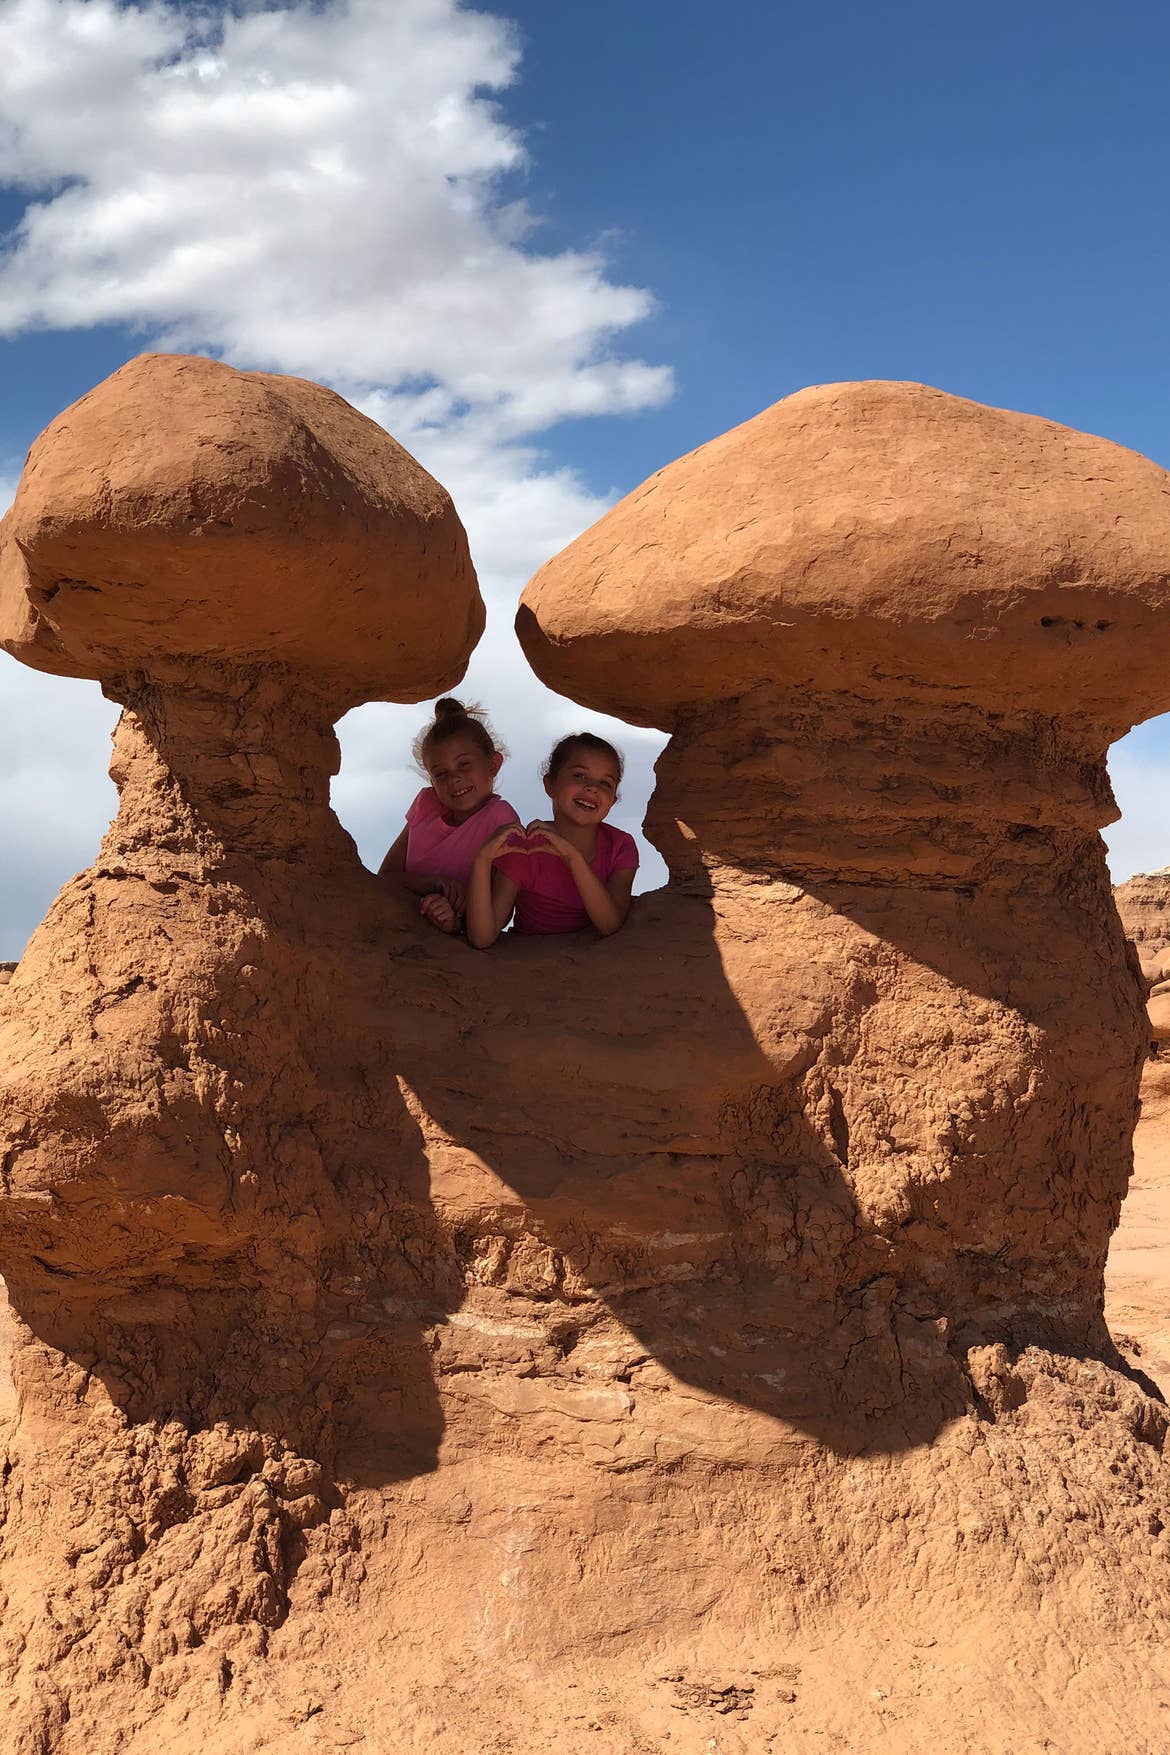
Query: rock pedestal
(887,630)
(196,1142)
(582,1341)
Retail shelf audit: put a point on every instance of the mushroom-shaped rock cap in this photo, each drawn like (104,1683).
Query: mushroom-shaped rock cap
(184,510)
(880,537)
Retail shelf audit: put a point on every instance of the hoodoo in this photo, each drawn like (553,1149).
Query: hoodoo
(693,1336)
(196,1125)
(893,633)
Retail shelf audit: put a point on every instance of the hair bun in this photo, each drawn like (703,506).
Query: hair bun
(454,718)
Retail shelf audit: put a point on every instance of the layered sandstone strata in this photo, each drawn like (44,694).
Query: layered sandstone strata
(694,1332)
(1143,903)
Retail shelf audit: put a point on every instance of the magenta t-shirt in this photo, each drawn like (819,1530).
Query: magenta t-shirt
(435,848)
(547,899)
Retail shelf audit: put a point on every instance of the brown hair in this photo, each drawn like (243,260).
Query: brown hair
(453,719)
(584,740)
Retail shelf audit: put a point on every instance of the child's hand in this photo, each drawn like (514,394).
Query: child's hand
(453,892)
(549,841)
(498,844)
(439,911)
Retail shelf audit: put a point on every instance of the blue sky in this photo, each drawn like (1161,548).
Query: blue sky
(721,205)
(968,195)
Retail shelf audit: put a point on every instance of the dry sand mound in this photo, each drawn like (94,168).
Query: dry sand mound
(688,1340)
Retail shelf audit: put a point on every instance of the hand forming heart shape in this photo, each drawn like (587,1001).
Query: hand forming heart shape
(524,843)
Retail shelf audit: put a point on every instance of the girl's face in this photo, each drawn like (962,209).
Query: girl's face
(461,775)
(584,788)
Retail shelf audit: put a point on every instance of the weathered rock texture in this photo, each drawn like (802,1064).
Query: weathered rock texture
(1143,903)
(185,511)
(1144,908)
(1137,1279)
(697,1331)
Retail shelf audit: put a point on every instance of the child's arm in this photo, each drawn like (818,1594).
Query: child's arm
(419,883)
(491,896)
(394,864)
(606,904)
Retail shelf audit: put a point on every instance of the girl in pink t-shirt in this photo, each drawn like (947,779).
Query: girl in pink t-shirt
(566,874)
(453,816)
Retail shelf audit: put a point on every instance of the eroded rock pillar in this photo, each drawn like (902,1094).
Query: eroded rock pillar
(202,1154)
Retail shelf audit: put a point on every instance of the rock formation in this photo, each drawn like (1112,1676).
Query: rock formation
(1143,903)
(586,1345)
(889,631)
(196,1120)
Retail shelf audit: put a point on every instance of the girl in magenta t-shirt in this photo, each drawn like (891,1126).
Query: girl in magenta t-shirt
(559,876)
(453,816)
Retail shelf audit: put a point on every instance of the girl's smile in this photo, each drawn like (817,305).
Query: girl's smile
(563,875)
(584,790)
(462,776)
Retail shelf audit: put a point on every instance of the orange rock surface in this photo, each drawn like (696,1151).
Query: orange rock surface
(881,537)
(1143,903)
(184,510)
(689,1340)
(1137,1281)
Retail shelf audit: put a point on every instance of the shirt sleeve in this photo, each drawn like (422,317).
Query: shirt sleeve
(625,854)
(423,808)
(501,812)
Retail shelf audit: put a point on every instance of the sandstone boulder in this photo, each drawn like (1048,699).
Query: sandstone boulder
(1155,968)
(880,537)
(1158,1009)
(185,511)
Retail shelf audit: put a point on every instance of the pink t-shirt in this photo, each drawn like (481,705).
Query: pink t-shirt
(548,900)
(435,848)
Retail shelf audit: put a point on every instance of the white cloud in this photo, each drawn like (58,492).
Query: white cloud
(311,188)
(328,190)
(55,796)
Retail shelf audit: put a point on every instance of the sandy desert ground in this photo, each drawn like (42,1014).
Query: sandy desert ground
(897,1693)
